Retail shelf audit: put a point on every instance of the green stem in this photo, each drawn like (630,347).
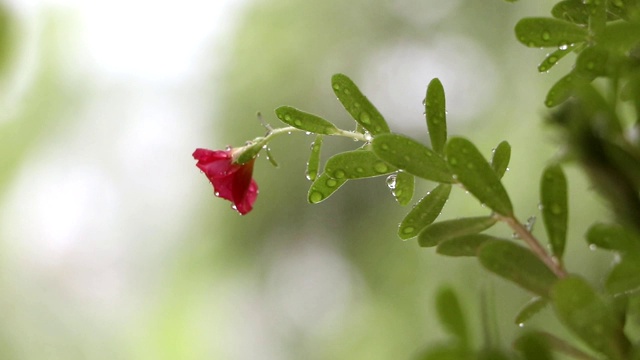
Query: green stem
(534,245)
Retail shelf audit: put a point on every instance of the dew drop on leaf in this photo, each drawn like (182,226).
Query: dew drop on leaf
(315,197)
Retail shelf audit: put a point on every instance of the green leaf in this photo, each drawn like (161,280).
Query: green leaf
(574,11)
(402,186)
(533,346)
(624,277)
(451,316)
(530,309)
(412,157)
(313,165)
(323,187)
(592,62)
(613,237)
(467,245)
(356,164)
(436,233)
(579,307)
(500,159)
(564,88)
(552,59)
(360,108)
(435,111)
(424,212)
(549,32)
(305,121)
(517,264)
(621,36)
(477,176)
(555,212)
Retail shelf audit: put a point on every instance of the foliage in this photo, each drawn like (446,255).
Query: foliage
(596,106)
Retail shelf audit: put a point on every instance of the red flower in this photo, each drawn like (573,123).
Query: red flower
(230,181)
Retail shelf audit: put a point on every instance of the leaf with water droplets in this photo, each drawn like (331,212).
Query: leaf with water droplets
(356,104)
(451,316)
(477,176)
(356,164)
(500,159)
(592,62)
(580,309)
(549,32)
(613,237)
(530,309)
(323,187)
(517,264)
(439,232)
(305,121)
(552,59)
(435,111)
(624,277)
(403,187)
(564,88)
(555,212)
(412,157)
(467,245)
(313,165)
(574,11)
(424,212)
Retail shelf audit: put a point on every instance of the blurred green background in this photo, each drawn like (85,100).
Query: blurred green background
(112,244)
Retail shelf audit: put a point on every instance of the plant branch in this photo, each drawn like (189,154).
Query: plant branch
(534,245)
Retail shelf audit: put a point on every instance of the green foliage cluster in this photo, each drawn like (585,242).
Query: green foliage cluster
(596,108)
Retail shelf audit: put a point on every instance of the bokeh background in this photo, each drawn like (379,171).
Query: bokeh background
(112,244)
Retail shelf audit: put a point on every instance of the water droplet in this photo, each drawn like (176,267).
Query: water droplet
(287,118)
(311,175)
(357,105)
(391,181)
(556,209)
(563,46)
(540,207)
(297,122)
(216,194)
(365,118)
(531,221)
(347,91)
(593,247)
(552,59)
(453,161)
(470,166)
(316,197)
(359,170)
(591,65)
(408,230)
(331,183)
(384,147)
(338,174)
(546,36)
(380,167)
(336,86)
(520,324)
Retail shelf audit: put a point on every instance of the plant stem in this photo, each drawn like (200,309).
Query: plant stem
(534,245)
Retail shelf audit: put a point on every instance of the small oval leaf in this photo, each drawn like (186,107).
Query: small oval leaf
(451,315)
(356,164)
(530,309)
(552,59)
(549,32)
(435,111)
(323,187)
(574,11)
(412,157)
(613,237)
(424,212)
(579,307)
(313,165)
(436,233)
(624,277)
(402,186)
(555,212)
(564,88)
(467,245)
(477,176)
(517,264)
(500,159)
(356,104)
(305,121)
